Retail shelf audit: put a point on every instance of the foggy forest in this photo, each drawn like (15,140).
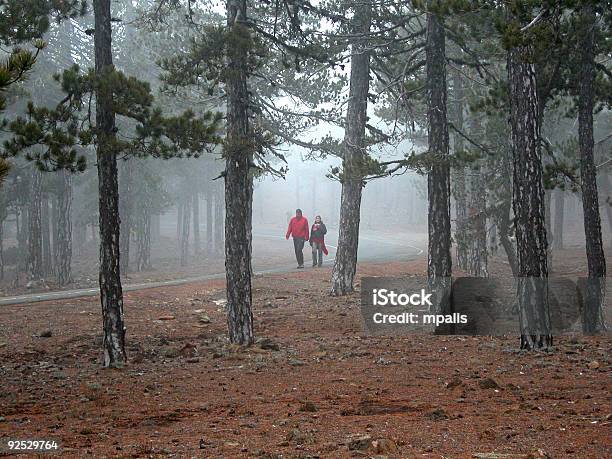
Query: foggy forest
(305,228)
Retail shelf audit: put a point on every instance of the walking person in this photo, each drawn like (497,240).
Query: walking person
(317,241)
(298,228)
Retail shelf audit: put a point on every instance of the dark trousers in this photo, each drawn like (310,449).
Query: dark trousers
(298,245)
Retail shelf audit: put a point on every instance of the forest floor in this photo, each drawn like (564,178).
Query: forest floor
(314,385)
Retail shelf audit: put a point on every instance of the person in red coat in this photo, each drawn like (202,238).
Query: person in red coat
(298,228)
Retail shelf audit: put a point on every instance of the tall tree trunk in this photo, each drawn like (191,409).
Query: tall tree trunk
(53,207)
(478,252)
(477,246)
(528,202)
(559,218)
(238,180)
(608,202)
(179,222)
(35,253)
(461,235)
(596,260)
(197,248)
(184,240)
(125,212)
(46,236)
(22,238)
(155,227)
(2,249)
(111,294)
(439,265)
(219,220)
(209,218)
(354,151)
(143,239)
(63,245)
(548,223)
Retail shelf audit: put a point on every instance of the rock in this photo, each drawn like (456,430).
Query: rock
(594,365)
(488,383)
(361,443)
(188,350)
(59,375)
(296,436)
(384,446)
(538,454)
(170,352)
(438,414)
(455,382)
(192,360)
(269,345)
(204,319)
(308,407)
(46,334)
(296,362)
(166,318)
(2,419)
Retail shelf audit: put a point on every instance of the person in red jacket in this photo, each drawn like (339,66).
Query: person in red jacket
(298,228)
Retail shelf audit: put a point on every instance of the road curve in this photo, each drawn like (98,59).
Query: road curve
(372,247)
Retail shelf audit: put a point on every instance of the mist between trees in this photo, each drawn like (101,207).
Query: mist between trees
(158,136)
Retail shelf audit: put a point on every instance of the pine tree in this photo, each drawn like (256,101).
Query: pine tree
(595,290)
(238,152)
(438,180)
(354,153)
(111,292)
(528,199)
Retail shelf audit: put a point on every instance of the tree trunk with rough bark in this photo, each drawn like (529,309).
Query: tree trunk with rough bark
(111,293)
(197,247)
(35,253)
(209,219)
(559,218)
(528,202)
(63,235)
(439,264)
(179,222)
(595,293)
(477,212)
(184,240)
(22,237)
(46,236)
(143,239)
(478,251)
(219,226)
(125,211)
(1,249)
(550,237)
(354,151)
(459,188)
(238,154)
(608,202)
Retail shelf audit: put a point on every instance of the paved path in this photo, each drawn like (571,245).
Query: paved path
(373,247)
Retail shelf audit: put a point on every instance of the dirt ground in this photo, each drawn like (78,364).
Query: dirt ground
(313,386)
